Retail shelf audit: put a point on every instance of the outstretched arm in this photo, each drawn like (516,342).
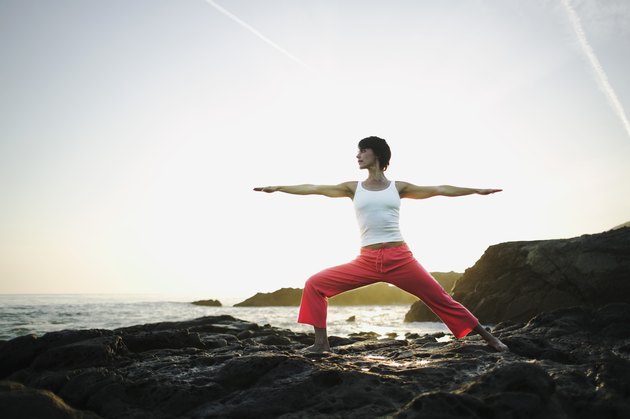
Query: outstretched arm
(341,190)
(409,190)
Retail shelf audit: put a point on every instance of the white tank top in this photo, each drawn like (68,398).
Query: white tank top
(378,214)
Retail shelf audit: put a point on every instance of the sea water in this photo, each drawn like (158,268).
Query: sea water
(39,314)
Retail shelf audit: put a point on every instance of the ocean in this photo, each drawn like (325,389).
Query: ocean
(39,314)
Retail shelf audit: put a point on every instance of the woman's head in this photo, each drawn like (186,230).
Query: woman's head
(379,147)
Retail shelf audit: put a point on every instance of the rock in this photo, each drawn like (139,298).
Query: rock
(351,319)
(20,352)
(19,402)
(162,339)
(518,280)
(208,303)
(209,324)
(274,340)
(449,406)
(573,363)
(419,312)
(518,377)
(338,341)
(99,351)
(365,335)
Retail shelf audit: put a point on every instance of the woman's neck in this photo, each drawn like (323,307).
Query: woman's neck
(376,177)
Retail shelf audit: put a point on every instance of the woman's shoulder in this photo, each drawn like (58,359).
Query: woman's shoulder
(351,185)
(349,188)
(400,185)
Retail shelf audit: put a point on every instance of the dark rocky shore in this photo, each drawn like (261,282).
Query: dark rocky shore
(562,306)
(570,363)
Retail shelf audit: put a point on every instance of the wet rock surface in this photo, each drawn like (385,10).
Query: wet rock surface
(571,363)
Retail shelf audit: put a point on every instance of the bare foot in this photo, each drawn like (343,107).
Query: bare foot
(316,349)
(497,345)
(494,342)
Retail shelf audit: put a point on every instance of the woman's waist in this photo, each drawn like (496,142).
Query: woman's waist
(383,245)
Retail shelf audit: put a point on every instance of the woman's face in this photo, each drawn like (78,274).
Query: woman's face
(366,158)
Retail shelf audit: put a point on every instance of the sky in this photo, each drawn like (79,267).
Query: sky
(132,134)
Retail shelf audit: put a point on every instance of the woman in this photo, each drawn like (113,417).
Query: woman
(384,255)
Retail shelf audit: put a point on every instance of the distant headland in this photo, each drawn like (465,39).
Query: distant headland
(208,303)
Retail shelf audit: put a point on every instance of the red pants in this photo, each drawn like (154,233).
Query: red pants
(395,265)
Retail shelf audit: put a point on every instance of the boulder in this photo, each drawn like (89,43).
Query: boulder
(419,312)
(19,402)
(22,351)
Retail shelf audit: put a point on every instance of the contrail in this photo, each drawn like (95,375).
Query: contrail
(258,34)
(602,79)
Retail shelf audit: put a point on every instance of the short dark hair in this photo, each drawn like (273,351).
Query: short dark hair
(379,147)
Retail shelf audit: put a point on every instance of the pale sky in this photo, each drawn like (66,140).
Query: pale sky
(132,134)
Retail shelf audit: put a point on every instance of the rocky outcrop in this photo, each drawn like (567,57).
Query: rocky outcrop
(419,312)
(207,303)
(375,294)
(518,280)
(571,363)
(281,297)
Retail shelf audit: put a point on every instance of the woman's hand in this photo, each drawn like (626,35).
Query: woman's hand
(268,189)
(488,191)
